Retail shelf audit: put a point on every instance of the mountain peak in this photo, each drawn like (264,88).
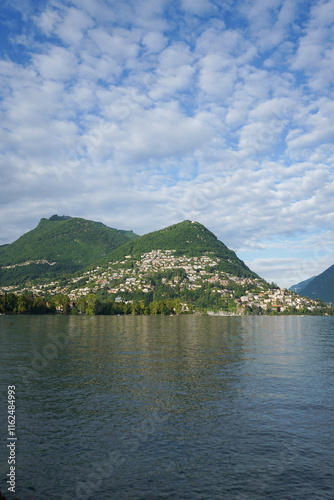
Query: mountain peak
(55,217)
(188,238)
(70,243)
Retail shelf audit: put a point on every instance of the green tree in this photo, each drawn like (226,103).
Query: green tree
(81,305)
(135,307)
(93,304)
(61,303)
(22,304)
(177,306)
(144,307)
(163,308)
(39,306)
(155,307)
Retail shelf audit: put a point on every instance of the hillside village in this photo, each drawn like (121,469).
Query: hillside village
(179,274)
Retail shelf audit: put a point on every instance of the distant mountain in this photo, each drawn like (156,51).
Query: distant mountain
(300,286)
(57,246)
(321,287)
(186,238)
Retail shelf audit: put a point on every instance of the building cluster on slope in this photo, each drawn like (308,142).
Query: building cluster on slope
(188,273)
(279,299)
(28,263)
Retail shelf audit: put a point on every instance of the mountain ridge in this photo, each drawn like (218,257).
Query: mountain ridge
(71,243)
(298,287)
(64,246)
(188,238)
(321,286)
(79,262)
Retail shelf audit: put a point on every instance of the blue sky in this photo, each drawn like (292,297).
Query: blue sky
(145,113)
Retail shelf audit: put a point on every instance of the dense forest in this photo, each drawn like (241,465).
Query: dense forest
(90,304)
(95,304)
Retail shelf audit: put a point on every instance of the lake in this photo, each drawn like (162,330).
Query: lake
(183,407)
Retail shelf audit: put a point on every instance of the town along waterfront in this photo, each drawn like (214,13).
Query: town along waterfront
(181,407)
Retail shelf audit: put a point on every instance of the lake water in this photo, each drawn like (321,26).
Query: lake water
(169,407)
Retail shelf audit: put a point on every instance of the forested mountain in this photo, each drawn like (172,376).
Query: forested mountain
(84,267)
(301,285)
(187,238)
(321,287)
(57,246)
(62,246)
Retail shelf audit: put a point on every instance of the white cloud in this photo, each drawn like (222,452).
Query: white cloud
(317,127)
(144,113)
(198,7)
(315,54)
(154,41)
(57,63)
(161,132)
(270,22)
(73,27)
(217,77)
(47,21)
(174,72)
(120,45)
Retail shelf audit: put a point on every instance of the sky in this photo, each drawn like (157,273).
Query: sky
(144,113)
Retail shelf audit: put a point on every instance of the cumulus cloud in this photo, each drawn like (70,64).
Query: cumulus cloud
(57,63)
(315,55)
(145,113)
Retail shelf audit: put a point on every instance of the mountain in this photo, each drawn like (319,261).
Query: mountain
(321,287)
(57,246)
(64,247)
(300,286)
(80,263)
(187,238)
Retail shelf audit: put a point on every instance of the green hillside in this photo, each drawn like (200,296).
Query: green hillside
(66,244)
(321,287)
(129,234)
(186,238)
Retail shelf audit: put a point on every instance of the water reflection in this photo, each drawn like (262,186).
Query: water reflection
(172,407)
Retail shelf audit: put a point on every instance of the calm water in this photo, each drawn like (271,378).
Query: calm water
(169,407)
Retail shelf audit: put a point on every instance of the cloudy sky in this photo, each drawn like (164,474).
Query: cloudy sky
(143,113)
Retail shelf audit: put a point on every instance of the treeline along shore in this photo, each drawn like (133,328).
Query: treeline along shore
(93,304)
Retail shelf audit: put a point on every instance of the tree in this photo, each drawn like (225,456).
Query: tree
(39,306)
(177,306)
(163,308)
(22,304)
(93,304)
(2,304)
(155,307)
(144,307)
(135,307)
(81,305)
(62,303)
(10,302)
